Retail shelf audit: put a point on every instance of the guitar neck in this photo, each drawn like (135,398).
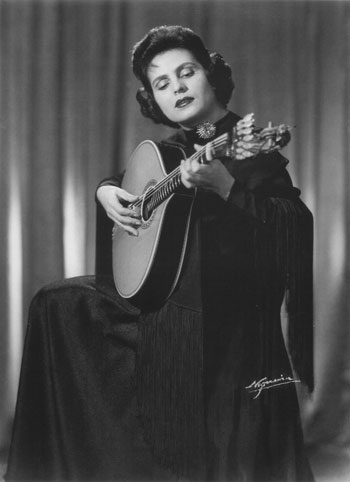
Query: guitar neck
(161,191)
(226,145)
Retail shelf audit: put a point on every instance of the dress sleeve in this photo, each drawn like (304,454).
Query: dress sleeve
(282,227)
(282,230)
(111,181)
(292,227)
(249,193)
(104,226)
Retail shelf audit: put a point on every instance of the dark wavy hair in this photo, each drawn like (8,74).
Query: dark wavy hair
(163,38)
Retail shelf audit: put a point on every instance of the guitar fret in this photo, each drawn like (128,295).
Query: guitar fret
(167,186)
(172,180)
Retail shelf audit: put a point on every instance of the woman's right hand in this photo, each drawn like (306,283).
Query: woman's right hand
(114,201)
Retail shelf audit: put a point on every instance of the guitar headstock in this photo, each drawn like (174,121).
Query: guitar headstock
(246,140)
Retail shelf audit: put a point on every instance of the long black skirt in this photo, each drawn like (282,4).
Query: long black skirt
(77,416)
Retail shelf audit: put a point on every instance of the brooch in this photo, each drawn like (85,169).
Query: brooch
(206,130)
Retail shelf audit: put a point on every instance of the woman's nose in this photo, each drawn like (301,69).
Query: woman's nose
(179,86)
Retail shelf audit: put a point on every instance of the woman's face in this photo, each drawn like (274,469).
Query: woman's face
(181,88)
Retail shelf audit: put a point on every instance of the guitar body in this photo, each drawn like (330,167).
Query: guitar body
(146,268)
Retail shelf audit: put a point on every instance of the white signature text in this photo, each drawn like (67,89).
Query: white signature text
(257,386)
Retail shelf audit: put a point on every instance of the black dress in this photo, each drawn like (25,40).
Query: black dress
(199,389)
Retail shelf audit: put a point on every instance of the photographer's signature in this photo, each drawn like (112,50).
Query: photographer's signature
(263,384)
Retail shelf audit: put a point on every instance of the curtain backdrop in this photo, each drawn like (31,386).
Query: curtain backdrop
(68,118)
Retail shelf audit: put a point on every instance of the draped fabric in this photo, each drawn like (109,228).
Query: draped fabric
(68,114)
(240,255)
(196,356)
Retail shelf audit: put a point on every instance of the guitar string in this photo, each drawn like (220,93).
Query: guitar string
(218,142)
(194,156)
(157,187)
(215,143)
(166,181)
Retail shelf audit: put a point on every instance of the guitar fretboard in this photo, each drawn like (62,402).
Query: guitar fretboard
(161,191)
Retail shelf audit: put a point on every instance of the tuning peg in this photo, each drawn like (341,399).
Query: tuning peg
(247,121)
(244,130)
(248,117)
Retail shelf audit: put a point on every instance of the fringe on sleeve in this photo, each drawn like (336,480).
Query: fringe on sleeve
(293,226)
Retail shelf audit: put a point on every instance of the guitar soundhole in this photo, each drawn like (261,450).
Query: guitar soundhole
(146,212)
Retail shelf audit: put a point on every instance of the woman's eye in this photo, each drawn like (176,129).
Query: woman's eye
(162,85)
(187,73)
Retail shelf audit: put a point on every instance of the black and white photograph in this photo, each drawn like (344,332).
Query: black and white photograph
(174,240)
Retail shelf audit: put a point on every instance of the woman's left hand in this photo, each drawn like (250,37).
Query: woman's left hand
(211,176)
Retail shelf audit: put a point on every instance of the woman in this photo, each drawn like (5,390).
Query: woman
(200,388)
